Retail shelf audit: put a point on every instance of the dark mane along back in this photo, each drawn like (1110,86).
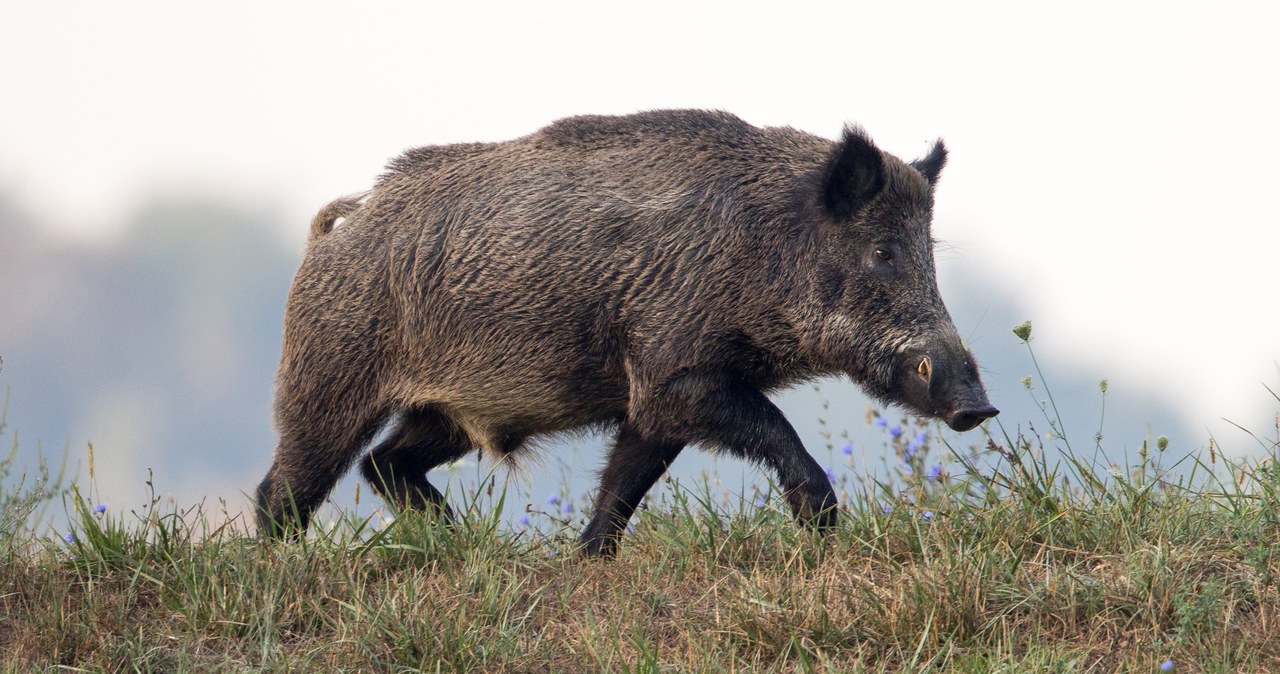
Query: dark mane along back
(588,130)
(431,158)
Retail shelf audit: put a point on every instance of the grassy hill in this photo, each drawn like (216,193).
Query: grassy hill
(1012,562)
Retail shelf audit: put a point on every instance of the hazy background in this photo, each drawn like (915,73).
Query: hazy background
(1111,178)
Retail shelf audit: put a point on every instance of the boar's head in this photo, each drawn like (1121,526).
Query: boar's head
(877,313)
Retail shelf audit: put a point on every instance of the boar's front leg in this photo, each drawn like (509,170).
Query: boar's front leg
(728,414)
(715,411)
(636,461)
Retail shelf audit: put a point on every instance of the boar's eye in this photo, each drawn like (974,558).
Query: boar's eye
(880,259)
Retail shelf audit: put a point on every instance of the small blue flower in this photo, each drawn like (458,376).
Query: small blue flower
(881,422)
(760,502)
(1166,666)
(847,450)
(935,471)
(566,508)
(630,529)
(916,443)
(524,520)
(553,500)
(100,508)
(927,515)
(887,508)
(70,537)
(895,431)
(831,475)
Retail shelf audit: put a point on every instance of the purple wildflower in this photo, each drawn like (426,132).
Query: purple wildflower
(887,508)
(831,475)
(567,508)
(881,422)
(553,500)
(895,431)
(524,520)
(70,537)
(927,515)
(915,444)
(935,471)
(760,502)
(847,450)
(100,508)
(1166,666)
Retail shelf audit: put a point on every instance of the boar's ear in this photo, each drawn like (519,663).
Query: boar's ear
(853,175)
(931,165)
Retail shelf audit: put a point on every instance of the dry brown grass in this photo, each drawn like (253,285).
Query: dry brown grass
(993,587)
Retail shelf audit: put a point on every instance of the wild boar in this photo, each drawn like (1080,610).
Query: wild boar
(655,274)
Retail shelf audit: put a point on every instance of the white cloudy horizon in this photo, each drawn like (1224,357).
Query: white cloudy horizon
(1111,164)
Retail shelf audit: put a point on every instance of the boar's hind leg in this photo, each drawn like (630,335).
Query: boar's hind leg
(635,463)
(397,467)
(725,414)
(309,462)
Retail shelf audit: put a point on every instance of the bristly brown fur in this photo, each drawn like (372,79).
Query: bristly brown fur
(657,273)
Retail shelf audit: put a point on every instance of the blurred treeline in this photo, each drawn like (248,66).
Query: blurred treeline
(158,346)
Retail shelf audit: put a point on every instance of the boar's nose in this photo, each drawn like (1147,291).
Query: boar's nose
(968,417)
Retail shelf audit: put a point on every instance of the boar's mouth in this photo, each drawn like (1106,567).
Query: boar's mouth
(943,383)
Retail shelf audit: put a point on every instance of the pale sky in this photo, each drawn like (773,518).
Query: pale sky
(1112,164)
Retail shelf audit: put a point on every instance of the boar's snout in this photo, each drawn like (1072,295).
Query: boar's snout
(967,418)
(942,381)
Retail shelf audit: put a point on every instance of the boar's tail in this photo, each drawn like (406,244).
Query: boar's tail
(338,208)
